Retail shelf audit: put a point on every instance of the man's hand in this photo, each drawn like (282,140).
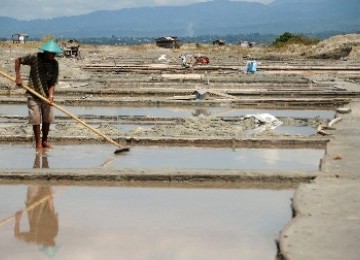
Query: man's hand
(18,81)
(18,215)
(51,99)
(51,94)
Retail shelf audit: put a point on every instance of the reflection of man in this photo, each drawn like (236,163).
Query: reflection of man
(41,161)
(43,220)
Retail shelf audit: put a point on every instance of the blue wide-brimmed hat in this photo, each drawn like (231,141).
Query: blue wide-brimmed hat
(51,46)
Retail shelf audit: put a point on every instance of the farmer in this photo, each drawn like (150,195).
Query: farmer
(184,62)
(44,71)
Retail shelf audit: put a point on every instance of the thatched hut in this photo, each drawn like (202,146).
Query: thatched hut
(168,42)
(219,42)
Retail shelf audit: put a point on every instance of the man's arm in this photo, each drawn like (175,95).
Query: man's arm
(53,81)
(51,93)
(18,79)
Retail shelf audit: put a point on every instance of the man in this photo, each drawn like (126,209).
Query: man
(184,62)
(44,71)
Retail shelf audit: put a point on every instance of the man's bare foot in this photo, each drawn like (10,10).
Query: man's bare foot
(45,144)
(39,147)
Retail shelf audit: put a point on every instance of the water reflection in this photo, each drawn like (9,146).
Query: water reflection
(43,223)
(41,161)
(201,111)
(19,156)
(169,111)
(154,223)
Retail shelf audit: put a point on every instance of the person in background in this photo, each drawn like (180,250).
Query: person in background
(184,61)
(44,71)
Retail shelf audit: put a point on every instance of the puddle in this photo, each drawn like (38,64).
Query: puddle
(21,110)
(141,223)
(295,130)
(158,157)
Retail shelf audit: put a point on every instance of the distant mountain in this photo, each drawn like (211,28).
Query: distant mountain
(218,17)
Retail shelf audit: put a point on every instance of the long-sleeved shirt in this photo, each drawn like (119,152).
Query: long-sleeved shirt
(43,73)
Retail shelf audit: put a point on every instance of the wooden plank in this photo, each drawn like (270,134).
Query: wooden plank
(222,94)
(187,97)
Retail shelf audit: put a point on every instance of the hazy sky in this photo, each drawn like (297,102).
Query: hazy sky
(33,9)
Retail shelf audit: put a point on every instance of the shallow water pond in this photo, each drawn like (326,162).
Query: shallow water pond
(147,157)
(140,223)
(164,111)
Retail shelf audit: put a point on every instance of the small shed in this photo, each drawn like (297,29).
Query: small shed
(219,42)
(19,37)
(168,42)
(71,48)
(247,44)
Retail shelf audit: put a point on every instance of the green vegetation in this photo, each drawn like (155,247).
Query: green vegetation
(289,38)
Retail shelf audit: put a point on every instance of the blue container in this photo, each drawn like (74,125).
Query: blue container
(251,67)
